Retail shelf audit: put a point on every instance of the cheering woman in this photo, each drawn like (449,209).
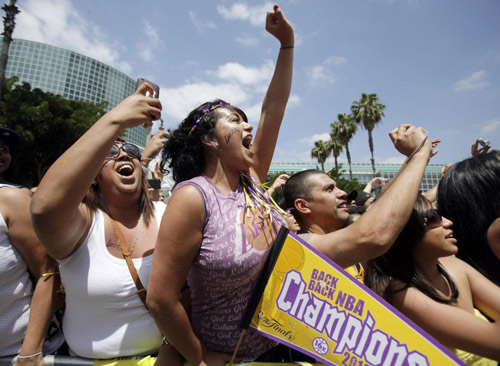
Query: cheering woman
(218,227)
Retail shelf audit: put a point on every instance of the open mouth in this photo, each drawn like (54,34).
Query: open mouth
(247,142)
(126,170)
(451,238)
(342,204)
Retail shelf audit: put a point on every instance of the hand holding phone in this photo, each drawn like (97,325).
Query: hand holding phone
(483,142)
(156,88)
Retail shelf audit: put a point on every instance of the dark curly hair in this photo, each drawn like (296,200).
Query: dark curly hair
(184,152)
(399,263)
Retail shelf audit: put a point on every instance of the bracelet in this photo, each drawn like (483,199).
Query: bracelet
(164,342)
(30,356)
(285,47)
(419,147)
(48,274)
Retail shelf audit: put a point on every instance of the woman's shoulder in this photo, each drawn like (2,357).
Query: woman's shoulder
(455,266)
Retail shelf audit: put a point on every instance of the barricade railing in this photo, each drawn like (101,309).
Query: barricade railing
(51,360)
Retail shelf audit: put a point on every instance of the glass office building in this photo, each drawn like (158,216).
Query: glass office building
(363,172)
(73,76)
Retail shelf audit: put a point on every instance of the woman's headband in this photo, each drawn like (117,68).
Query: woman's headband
(205,112)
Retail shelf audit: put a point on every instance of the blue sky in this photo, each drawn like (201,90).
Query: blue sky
(433,63)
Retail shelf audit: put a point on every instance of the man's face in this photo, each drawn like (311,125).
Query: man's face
(327,202)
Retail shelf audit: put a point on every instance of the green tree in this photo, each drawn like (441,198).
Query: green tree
(8,28)
(321,151)
(368,111)
(343,130)
(48,125)
(344,184)
(337,148)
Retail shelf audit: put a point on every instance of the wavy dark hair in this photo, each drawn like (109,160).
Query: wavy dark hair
(469,195)
(184,152)
(399,262)
(94,201)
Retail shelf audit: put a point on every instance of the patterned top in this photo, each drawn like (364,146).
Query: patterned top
(235,246)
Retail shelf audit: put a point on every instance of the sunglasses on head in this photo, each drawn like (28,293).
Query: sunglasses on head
(432,217)
(130,149)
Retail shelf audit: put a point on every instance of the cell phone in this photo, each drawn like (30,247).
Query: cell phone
(483,143)
(154,183)
(156,88)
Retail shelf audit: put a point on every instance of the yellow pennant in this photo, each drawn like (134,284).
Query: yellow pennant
(311,304)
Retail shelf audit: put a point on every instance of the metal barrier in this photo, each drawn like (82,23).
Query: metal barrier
(50,360)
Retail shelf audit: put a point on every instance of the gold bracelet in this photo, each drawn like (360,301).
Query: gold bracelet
(48,274)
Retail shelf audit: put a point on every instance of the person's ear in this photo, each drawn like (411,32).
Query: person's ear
(302,206)
(211,143)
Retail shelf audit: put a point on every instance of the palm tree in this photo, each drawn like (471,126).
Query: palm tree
(344,129)
(337,148)
(370,112)
(320,151)
(10,13)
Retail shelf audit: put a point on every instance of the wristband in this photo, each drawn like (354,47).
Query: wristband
(419,147)
(285,47)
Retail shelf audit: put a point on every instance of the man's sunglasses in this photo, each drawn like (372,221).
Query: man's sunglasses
(432,217)
(130,149)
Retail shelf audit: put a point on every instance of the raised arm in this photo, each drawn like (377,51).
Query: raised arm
(375,182)
(375,231)
(273,106)
(59,218)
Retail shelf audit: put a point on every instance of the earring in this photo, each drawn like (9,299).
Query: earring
(216,145)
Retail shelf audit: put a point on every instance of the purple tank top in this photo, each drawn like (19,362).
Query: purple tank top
(234,248)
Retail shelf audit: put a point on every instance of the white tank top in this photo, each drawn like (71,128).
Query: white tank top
(15,295)
(16,290)
(104,316)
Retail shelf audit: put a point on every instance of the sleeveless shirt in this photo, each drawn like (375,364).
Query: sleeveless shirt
(16,291)
(235,246)
(104,316)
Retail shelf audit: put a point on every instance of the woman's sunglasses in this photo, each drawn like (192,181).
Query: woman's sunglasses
(432,217)
(130,149)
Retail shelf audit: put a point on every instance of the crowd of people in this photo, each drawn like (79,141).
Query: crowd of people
(133,275)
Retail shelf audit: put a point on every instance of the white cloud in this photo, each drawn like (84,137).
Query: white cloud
(57,23)
(490,127)
(201,24)
(322,74)
(474,81)
(335,60)
(255,15)
(236,72)
(178,102)
(311,139)
(247,40)
(398,159)
(289,154)
(293,101)
(151,42)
